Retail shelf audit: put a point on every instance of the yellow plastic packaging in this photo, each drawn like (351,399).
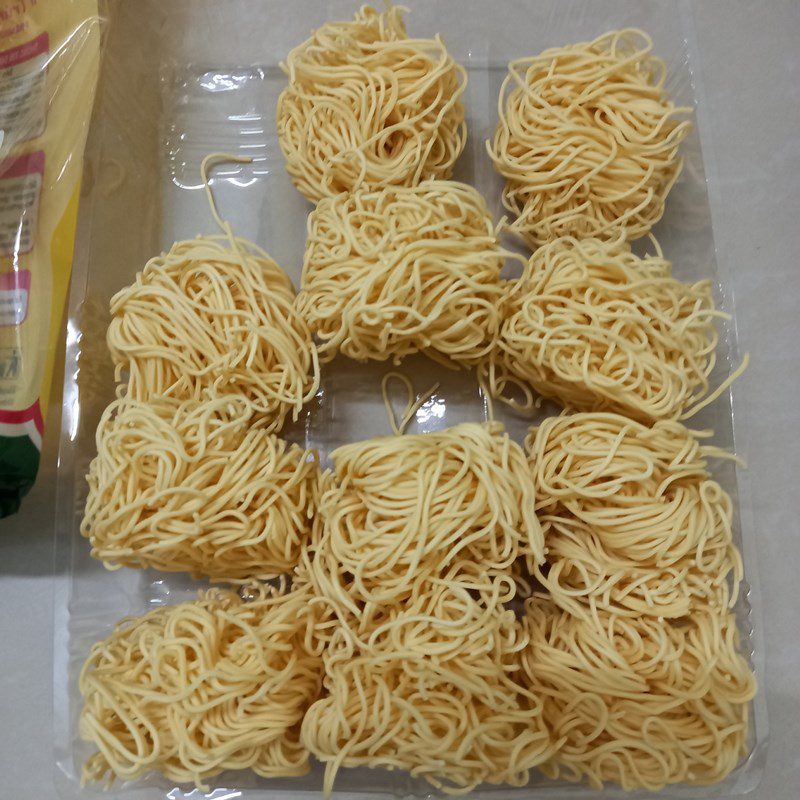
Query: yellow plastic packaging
(49,60)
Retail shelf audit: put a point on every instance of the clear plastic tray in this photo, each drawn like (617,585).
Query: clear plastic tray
(189,77)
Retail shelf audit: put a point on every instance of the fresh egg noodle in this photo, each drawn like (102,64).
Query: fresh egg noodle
(366,106)
(188,486)
(638,701)
(398,646)
(215,315)
(205,686)
(396,512)
(401,270)
(598,328)
(633,522)
(587,139)
(432,687)
(412,552)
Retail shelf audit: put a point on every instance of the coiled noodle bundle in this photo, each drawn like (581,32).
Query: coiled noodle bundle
(638,701)
(398,271)
(598,328)
(201,687)
(190,486)
(398,512)
(215,314)
(633,522)
(368,106)
(432,690)
(587,140)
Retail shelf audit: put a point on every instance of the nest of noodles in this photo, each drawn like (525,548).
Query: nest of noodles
(634,524)
(393,272)
(367,106)
(597,328)
(398,512)
(635,700)
(188,486)
(215,316)
(587,140)
(202,687)
(430,686)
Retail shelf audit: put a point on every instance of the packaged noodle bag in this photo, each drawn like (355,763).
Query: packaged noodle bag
(49,58)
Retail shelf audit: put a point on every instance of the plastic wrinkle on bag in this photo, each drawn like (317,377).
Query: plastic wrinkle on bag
(49,59)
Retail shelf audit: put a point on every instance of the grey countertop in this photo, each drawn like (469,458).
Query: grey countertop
(751,55)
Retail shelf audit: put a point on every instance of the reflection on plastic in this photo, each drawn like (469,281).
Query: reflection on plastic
(430,411)
(218,110)
(196,794)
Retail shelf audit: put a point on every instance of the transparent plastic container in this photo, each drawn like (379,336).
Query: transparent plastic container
(189,77)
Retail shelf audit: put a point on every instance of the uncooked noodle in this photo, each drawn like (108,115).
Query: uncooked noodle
(201,687)
(399,511)
(190,486)
(403,641)
(413,403)
(638,701)
(397,271)
(366,106)
(413,546)
(433,690)
(587,139)
(633,522)
(598,328)
(215,315)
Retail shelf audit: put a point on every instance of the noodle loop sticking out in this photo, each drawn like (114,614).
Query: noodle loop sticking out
(399,271)
(205,686)
(598,328)
(638,702)
(633,522)
(587,140)
(368,107)
(188,486)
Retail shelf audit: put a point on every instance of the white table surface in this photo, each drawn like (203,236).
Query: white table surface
(751,55)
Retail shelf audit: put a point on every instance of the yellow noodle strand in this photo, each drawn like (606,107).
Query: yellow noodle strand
(719,391)
(412,405)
